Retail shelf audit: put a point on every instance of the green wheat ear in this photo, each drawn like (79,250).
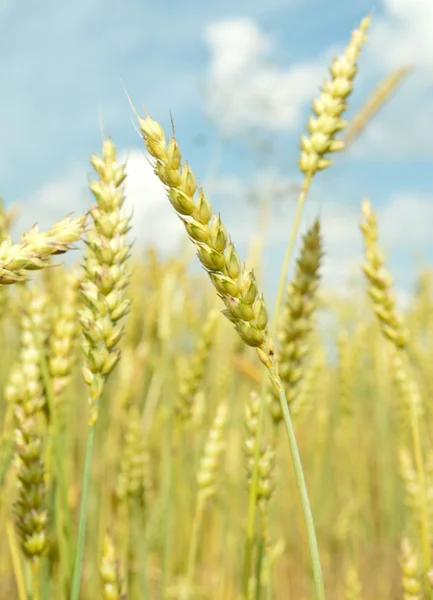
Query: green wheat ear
(106,274)
(296,320)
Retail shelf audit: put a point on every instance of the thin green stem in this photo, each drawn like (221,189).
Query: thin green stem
(289,251)
(296,459)
(306,508)
(35,568)
(6,456)
(142,549)
(195,540)
(249,542)
(82,521)
(168,485)
(46,580)
(259,564)
(170,443)
(137,579)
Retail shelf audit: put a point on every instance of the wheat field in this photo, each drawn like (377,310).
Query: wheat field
(166,434)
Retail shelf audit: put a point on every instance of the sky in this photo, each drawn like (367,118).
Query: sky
(238,79)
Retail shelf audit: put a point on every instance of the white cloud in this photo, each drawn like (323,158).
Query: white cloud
(53,201)
(154,221)
(245,89)
(401,36)
(236,44)
(407,220)
(404,228)
(401,130)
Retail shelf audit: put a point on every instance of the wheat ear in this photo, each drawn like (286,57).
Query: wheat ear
(245,306)
(297,319)
(109,571)
(36,247)
(103,290)
(410,573)
(393,328)
(234,283)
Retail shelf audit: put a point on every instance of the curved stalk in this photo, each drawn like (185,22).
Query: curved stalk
(302,488)
(249,543)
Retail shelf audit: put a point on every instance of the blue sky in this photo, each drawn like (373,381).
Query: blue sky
(214,66)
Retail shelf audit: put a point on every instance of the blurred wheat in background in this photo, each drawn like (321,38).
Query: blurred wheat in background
(154,448)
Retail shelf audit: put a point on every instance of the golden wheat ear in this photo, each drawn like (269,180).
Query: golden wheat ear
(36,247)
(234,284)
